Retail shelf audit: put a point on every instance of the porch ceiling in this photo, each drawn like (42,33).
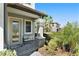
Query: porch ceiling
(21,13)
(25,8)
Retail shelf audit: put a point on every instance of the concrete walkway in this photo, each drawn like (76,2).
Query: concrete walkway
(36,54)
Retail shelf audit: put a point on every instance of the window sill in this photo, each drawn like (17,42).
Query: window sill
(28,33)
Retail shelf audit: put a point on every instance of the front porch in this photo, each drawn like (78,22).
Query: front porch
(28,47)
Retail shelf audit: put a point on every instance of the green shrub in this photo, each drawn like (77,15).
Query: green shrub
(76,50)
(52,44)
(57,37)
(71,35)
(8,53)
(51,47)
(68,35)
(67,38)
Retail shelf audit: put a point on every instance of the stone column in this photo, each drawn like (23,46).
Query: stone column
(40,38)
(40,26)
(1,26)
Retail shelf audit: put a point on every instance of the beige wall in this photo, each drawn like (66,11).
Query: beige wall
(26,36)
(23,16)
(1,26)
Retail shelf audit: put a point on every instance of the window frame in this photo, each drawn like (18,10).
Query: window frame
(25,27)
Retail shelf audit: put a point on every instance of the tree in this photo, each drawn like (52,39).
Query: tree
(48,20)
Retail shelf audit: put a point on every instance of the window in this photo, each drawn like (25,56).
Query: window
(28,26)
(15,31)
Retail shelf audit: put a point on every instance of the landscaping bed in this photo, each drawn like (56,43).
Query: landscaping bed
(63,43)
(59,52)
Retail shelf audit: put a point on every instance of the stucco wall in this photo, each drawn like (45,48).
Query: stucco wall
(30,36)
(1,26)
(27,37)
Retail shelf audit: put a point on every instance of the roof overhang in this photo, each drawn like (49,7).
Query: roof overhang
(26,9)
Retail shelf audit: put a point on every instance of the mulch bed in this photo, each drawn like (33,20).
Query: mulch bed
(58,52)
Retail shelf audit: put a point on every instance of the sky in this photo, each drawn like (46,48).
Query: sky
(60,12)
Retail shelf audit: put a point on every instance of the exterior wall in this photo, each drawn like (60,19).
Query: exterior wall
(25,36)
(1,26)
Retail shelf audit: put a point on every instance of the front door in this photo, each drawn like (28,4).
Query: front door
(15,31)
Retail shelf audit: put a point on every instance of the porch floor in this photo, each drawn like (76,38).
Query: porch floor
(26,48)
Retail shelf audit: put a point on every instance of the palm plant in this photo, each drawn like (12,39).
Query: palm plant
(67,38)
(70,35)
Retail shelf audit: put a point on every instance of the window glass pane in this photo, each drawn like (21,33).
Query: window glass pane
(15,31)
(28,26)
